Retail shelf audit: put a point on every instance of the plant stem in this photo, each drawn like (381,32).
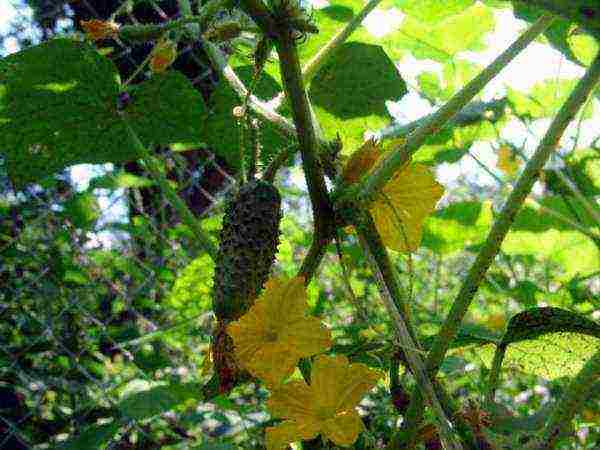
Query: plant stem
(386,168)
(259,107)
(313,258)
(494,376)
(151,32)
(317,61)
(289,64)
(473,112)
(570,402)
(499,230)
(185,214)
(390,294)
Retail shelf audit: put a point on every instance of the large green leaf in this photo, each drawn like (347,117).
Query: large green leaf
(166,109)
(350,102)
(548,342)
(544,99)
(53,115)
(432,11)
(457,226)
(442,40)
(144,404)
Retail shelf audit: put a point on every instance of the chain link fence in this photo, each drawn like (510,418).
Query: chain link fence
(95,267)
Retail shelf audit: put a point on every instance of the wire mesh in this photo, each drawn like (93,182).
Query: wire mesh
(89,269)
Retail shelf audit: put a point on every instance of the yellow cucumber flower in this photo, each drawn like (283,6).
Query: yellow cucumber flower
(403,204)
(327,406)
(276,332)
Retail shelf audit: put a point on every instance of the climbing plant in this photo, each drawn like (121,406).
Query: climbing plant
(308,86)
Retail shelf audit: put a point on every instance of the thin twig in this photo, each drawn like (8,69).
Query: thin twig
(258,106)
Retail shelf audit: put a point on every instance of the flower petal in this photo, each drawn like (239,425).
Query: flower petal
(402,207)
(344,428)
(292,400)
(307,336)
(272,363)
(328,373)
(285,301)
(338,385)
(280,436)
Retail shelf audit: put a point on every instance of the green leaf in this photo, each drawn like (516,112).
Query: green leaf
(544,99)
(533,323)
(548,342)
(457,226)
(584,47)
(221,130)
(96,437)
(82,210)
(192,290)
(155,400)
(166,109)
(572,251)
(444,39)
(56,115)
(432,11)
(353,101)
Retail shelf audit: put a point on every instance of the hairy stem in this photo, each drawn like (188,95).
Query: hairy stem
(377,256)
(499,230)
(151,32)
(386,168)
(289,63)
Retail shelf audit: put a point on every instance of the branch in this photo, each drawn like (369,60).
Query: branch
(390,294)
(145,33)
(500,228)
(473,112)
(309,146)
(385,169)
(185,214)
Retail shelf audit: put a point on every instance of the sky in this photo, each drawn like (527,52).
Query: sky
(536,63)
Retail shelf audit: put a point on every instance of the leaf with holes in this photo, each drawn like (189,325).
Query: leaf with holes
(548,342)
